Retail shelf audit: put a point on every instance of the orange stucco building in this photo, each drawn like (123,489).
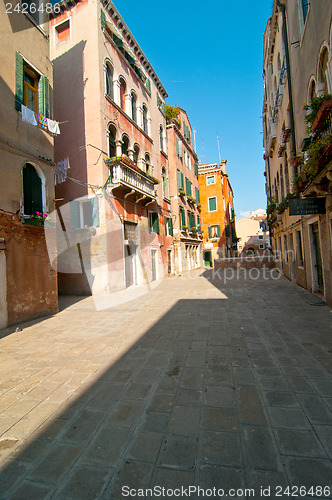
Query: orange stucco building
(114,202)
(217,212)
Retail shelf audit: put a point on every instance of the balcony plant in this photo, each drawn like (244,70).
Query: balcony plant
(317,106)
(184,228)
(182,192)
(172,114)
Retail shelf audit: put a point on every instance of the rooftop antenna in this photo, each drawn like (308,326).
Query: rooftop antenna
(218,148)
(203,151)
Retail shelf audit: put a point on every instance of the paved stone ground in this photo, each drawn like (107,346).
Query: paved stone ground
(200,382)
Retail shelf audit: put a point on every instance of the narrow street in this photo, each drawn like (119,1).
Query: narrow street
(200,382)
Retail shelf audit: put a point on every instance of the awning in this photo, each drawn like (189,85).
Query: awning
(118,41)
(130,58)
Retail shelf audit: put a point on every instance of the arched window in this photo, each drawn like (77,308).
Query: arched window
(322,70)
(312,90)
(133,106)
(161,138)
(111,141)
(125,144)
(145,118)
(147,164)
(109,80)
(136,153)
(32,191)
(122,94)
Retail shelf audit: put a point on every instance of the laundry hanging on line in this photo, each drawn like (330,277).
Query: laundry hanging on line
(39,120)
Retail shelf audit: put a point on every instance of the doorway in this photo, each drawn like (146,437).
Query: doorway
(317,267)
(169,262)
(130,265)
(207,258)
(153,265)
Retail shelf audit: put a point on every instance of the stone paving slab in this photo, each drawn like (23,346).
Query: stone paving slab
(201,383)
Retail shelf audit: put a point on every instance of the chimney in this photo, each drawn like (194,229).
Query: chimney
(223,166)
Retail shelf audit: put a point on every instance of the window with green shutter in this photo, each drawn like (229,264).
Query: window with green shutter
(102,19)
(196,169)
(198,222)
(154,222)
(148,85)
(44,96)
(183,217)
(168,226)
(212,204)
(197,196)
(192,224)
(180,181)
(188,187)
(227,231)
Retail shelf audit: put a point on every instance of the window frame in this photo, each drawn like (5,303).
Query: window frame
(211,198)
(210,177)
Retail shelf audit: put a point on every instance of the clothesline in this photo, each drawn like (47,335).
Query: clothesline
(36,119)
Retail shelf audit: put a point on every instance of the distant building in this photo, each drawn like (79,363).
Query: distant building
(253,240)
(217,210)
(184,193)
(258,214)
(28,284)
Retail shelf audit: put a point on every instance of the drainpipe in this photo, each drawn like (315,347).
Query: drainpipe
(290,92)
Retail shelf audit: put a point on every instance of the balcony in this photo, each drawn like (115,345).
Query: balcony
(127,176)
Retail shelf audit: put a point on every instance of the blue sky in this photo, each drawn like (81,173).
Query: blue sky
(208,55)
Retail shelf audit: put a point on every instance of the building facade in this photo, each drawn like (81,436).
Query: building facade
(218,214)
(253,237)
(297,140)
(115,198)
(28,283)
(184,193)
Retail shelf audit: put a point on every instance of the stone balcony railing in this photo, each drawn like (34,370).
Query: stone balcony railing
(125,173)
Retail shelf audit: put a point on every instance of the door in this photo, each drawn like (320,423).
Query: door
(130,270)
(169,261)
(153,265)
(207,258)
(317,261)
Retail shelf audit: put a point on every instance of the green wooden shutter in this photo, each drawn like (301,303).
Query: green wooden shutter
(170,226)
(218,230)
(227,231)
(180,149)
(197,196)
(19,81)
(163,109)
(182,180)
(159,101)
(183,217)
(32,191)
(177,146)
(75,214)
(198,222)
(148,84)
(212,204)
(196,169)
(155,222)
(209,231)
(102,19)
(43,96)
(95,211)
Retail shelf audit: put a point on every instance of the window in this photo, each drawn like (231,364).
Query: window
(125,144)
(147,164)
(210,179)
(182,217)
(178,148)
(214,231)
(145,119)
(188,187)
(136,153)
(133,106)
(109,80)
(197,196)
(168,226)
(323,70)
(299,249)
(261,246)
(198,223)
(122,94)
(84,213)
(227,231)
(111,141)
(212,204)
(260,236)
(62,31)
(161,138)
(31,88)
(154,222)
(180,181)
(196,169)
(32,191)
(192,222)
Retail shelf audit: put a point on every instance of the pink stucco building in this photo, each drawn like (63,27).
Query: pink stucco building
(114,204)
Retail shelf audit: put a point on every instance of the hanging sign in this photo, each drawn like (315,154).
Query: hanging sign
(307,206)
